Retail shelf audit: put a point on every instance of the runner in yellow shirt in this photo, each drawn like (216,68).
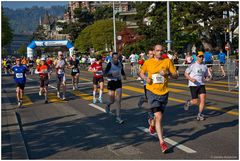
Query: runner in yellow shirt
(158,70)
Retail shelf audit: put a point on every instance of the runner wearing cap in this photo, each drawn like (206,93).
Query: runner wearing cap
(197,75)
(59,64)
(43,71)
(20,80)
(97,70)
(74,66)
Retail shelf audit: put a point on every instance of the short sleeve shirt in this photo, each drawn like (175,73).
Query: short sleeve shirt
(19,73)
(153,67)
(198,72)
(99,69)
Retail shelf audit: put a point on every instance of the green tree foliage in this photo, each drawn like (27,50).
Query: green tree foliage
(22,49)
(7,34)
(97,35)
(191,22)
(103,12)
(39,33)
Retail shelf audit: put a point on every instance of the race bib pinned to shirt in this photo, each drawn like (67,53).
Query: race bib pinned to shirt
(157,78)
(100,72)
(60,71)
(19,75)
(75,70)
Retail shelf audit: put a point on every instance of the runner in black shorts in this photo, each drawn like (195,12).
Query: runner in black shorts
(74,66)
(197,74)
(114,71)
(97,70)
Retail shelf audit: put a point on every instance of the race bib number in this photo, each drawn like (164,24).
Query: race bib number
(99,72)
(157,79)
(75,70)
(60,71)
(19,75)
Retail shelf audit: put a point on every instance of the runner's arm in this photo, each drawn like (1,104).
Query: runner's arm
(108,67)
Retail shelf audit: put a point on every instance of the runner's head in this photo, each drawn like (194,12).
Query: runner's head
(115,57)
(158,50)
(18,61)
(150,53)
(98,57)
(43,61)
(74,57)
(60,55)
(200,56)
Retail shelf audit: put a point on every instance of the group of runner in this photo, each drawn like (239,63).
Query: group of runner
(155,71)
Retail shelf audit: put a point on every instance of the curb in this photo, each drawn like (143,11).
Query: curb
(16,142)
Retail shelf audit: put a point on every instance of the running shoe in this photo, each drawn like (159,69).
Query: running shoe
(187,104)
(46,102)
(58,95)
(94,100)
(100,100)
(40,93)
(163,147)
(64,98)
(140,104)
(74,88)
(19,104)
(151,128)
(107,109)
(200,117)
(119,120)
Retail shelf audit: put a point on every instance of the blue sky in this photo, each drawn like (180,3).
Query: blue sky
(29,4)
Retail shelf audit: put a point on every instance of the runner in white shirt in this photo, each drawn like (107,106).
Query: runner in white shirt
(133,62)
(197,74)
(60,64)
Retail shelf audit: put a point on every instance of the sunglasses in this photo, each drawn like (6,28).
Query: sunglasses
(158,50)
(201,56)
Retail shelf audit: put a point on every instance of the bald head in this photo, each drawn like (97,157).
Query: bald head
(158,49)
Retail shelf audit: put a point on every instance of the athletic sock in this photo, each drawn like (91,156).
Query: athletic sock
(100,93)
(94,94)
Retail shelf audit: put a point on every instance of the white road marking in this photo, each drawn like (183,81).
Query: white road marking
(172,142)
(100,108)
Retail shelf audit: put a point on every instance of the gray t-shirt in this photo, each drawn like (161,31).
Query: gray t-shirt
(198,72)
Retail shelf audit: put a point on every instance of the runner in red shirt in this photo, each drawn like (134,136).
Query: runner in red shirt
(97,70)
(43,71)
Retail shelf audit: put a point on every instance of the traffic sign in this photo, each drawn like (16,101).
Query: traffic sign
(168,41)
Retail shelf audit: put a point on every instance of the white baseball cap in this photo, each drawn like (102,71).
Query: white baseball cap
(43,59)
(60,53)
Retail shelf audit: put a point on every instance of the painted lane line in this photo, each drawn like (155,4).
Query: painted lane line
(100,108)
(140,90)
(171,142)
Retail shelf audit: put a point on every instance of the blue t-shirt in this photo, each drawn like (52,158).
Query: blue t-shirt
(208,57)
(19,73)
(222,57)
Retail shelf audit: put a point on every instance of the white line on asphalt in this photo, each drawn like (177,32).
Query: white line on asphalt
(52,87)
(30,79)
(170,141)
(99,108)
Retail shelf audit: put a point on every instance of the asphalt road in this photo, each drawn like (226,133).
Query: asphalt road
(77,129)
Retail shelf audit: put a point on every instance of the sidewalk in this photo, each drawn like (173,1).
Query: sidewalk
(13,146)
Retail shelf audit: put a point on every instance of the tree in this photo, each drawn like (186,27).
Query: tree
(7,33)
(103,12)
(98,35)
(22,49)
(191,22)
(39,34)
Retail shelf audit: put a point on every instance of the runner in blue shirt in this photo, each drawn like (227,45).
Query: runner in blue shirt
(208,59)
(222,60)
(20,79)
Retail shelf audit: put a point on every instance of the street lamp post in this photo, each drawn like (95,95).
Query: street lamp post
(114,29)
(168,27)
